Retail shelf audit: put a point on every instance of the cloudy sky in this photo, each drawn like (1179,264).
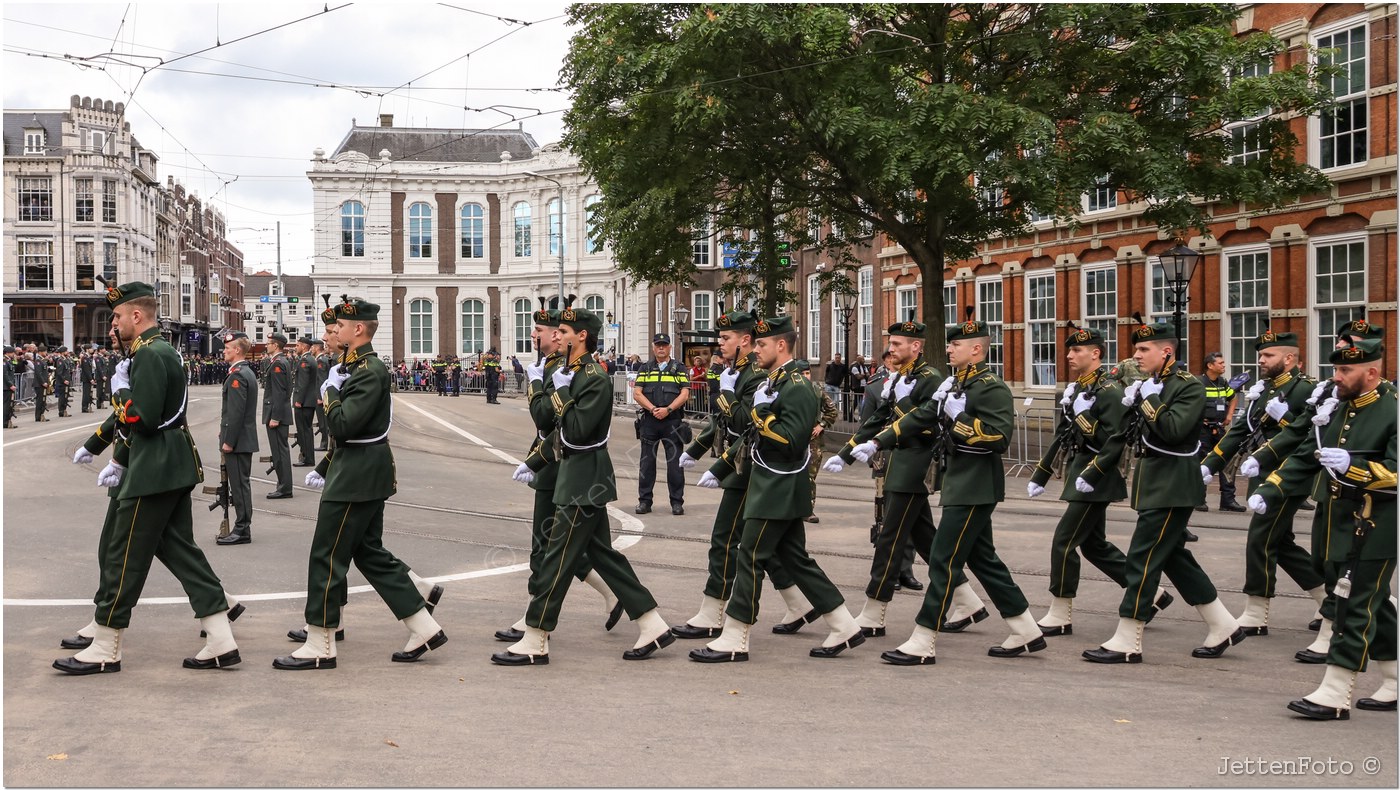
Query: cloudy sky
(255,108)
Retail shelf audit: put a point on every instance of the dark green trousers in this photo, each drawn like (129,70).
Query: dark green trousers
(785,540)
(240,488)
(1083,530)
(144,528)
(964,538)
(1270,545)
(908,526)
(724,549)
(574,532)
(306,435)
(1159,546)
(354,532)
(281,454)
(539,527)
(1365,629)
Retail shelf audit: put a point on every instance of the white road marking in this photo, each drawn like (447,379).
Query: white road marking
(51,434)
(444,423)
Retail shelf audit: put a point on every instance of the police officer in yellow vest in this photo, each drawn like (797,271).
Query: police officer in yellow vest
(661,389)
(491,370)
(1220,407)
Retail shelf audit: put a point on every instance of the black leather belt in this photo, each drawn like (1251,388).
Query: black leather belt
(1354,494)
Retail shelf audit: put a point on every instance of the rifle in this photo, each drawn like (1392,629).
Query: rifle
(1253,441)
(944,445)
(221,495)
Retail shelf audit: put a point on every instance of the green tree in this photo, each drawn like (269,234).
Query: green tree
(940,125)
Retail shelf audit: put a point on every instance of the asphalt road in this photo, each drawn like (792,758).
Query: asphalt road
(589,718)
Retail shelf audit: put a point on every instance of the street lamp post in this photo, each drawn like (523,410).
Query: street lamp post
(1178,264)
(845,315)
(560,185)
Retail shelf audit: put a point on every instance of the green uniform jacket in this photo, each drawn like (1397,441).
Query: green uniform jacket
(163,456)
(733,466)
(721,417)
(1090,432)
(779,487)
(584,412)
(305,388)
(980,435)
(238,425)
(542,456)
(358,415)
(906,470)
(1295,386)
(1168,474)
(1364,427)
(277,397)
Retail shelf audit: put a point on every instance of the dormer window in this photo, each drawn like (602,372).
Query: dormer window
(97,141)
(34,141)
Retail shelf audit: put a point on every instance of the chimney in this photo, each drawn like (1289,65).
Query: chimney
(386,119)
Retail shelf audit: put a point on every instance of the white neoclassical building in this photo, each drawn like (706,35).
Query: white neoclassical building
(456,233)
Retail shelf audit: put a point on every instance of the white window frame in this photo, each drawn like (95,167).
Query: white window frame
(1099,185)
(702,252)
(814,317)
(1104,322)
(421,339)
(1317,353)
(657,319)
(865,312)
(1361,95)
(465,343)
(473,229)
(37,249)
(950,306)
(524,324)
(670,311)
(1032,322)
(356,226)
(554,214)
(902,294)
(996,328)
(696,319)
(522,229)
(592,245)
(1244,360)
(1165,314)
(420,241)
(34,140)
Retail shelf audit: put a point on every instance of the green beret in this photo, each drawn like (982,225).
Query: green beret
(1160,330)
(316,341)
(580,319)
(737,320)
(121,294)
(768,327)
(803,364)
(910,328)
(1360,328)
(1083,336)
(1364,350)
(357,310)
(967,330)
(232,335)
(278,338)
(547,316)
(305,340)
(1271,339)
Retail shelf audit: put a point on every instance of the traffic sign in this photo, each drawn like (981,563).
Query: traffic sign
(265,299)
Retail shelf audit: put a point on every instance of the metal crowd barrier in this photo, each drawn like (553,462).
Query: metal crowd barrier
(1035,430)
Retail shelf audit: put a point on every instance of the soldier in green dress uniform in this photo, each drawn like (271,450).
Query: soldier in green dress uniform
(350,520)
(238,435)
(782,415)
(305,390)
(582,401)
(277,412)
(1163,424)
(825,419)
(153,514)
(1275,401)
(323,366)
(1351,454)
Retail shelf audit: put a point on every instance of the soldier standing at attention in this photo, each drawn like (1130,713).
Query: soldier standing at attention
(661,389)
(238,435)
(783,413)
(305,391)
(153,513)
(11,387)
(1164,416)
(582,402)
(323,366)
(825,419)
(277,413)
(42,373)
(86,367)
(63,379)
(350,520)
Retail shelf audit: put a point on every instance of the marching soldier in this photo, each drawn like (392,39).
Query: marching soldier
(1276,400)
(304,396)
(908,521)
(238,436)
(350,519)
(153,515)
(783,413)
(277,413)
(825,419)
(323,366)
(1091,410)
(1164,418)
(1353,447)
(582,401)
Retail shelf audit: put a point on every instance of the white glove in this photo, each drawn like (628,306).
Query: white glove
(1257,504)
(1324,412)
(121,376)
(1151,387)
(335,377)
(562,378)
(1249,468)
(728,379)
(903,388)
(1277,408)
(535,370)
(686,462)
(1082,486)
(708,480)
(111,475)
(1206,475)
(1083,402)
(1130,393)
(82,456)
(864,451)
(523,474)
(764,395)
(946,385)
(1316,393)
(1255,391)
(314,480)
(834,464)
(1033,490)
(1068,397)
(955,405)
(886,390)
(1335,458)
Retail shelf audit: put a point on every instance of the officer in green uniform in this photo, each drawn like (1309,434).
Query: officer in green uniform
(783,413)
(825,419)
(63,379)
(1352,456)
(1275,401)
(277,412)
(323,366)
(153,513)
(974,418)
(43,375)
(582,401)
(350,520)
(1091,410)
(238,435)
(304,393)
(907,517)
(10,387)
(1163,425)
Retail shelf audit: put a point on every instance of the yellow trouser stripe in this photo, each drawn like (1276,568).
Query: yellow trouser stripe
(330,569)
(1069,549)
(121,581)
(889,561)
(559,572)
(1137,600)
(1370,618)
(1270,564)
(948,587)
(728,539)
(753,569)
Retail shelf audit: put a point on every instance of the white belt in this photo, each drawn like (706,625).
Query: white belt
(1191,454)
(758,459)
(380,436)
(593,446)
(172,420)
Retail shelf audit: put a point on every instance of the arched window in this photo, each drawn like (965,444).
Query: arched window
(473,229)
(473,326)
(420,327)
(594,304)
(591,221)
(556,225)
(521,213)
(523,324)
(352,229)
(420,231)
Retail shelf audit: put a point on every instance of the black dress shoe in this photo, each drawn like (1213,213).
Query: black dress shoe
(75,667)
(1232,507)
(707,656)
(954,626)
(509,659)
(276,495)
(613,617)
(77,642)
(1255,630)
(796,625)
(407,656)
(1307,505)
(1034,646)
(1163,602)
(217,662)
(1306,656)
(1216,651)
(292,662)
(812,519)
(905,660)
(677,510)
(1057,630)
(1203,508)
(1371,703)
(434,595)
(509,635)
(645,651)
(643,508)
(234,539)
(910,583)
(1315,625)
(299,635)
(1101,655)
(237,612)
(1315,711)
(876,631)
(1191,537)
(688,631)
(835,650)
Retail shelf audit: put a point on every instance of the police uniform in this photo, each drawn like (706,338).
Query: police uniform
(491,369)
(238,428)
(1219,395)
(277,407)
(304,393)
(661,386)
